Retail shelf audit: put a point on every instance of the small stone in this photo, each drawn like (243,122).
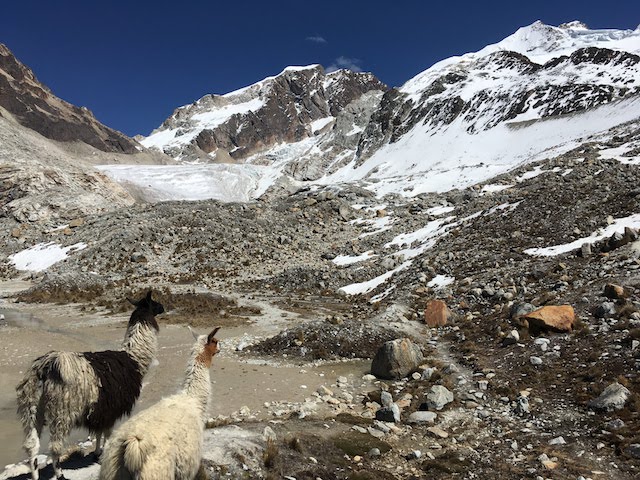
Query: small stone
(536,361)
(633,450)
(269,435)
(386,399)
(438,397)
(357,458)
(438,432)
(585,250)
(522,405)
(511,339)
(76,222)
(415,454)
(427,373)
(614,292)
(389,414)
(322,391)
(558,441)
(605,310)
(374,452)
(416,376)
(342,380)
(422,417)
(612,398)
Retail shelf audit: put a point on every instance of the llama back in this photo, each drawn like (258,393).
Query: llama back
(120,378)
(49,375)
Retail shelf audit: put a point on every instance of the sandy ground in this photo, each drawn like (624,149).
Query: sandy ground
(35,329)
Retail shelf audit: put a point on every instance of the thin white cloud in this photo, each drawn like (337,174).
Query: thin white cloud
(316,39)
(352,64)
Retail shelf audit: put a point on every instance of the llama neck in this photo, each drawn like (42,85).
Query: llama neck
(141,344)
(197,384)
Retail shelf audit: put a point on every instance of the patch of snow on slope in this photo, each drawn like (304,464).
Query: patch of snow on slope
(618,225)
(493,188)
(369,285)
(343,260)
(373,226)
(440,281)
(436,211)
(42,256)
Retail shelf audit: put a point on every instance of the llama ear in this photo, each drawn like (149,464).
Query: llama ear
(211,336)
(132,302)
(195,335)
(149,295)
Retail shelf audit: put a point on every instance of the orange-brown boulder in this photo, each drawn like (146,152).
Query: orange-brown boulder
(436,313)
(555,318)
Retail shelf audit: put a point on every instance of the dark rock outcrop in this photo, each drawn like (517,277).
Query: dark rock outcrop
(34,106)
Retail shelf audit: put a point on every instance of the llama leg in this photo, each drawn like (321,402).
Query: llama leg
(100,444)
(56,445)
(32,444)
(98,450)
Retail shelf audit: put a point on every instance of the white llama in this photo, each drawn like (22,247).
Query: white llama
(164,442)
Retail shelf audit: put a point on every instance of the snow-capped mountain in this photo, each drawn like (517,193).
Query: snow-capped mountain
(538,92)
(287,108)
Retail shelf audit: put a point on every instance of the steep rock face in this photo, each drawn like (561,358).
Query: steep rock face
(287,108)
(34,106)
(40,181)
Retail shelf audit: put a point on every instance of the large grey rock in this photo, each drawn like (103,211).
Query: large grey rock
(438,397)
(396,359)
(612,398)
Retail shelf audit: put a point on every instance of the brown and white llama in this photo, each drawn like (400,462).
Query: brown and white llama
(165,440)
(91,389)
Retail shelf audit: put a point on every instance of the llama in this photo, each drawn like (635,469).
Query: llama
(92,389)
(164,442)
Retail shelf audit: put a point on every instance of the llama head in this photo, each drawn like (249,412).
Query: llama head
(206,347)
(146,310)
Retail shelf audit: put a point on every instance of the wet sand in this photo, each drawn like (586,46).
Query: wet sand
(33,330)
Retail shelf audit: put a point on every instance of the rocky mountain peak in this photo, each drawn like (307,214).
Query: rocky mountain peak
(34,106)
(285,108)
(574,25)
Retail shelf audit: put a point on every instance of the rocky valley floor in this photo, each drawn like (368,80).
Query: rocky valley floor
(308,287)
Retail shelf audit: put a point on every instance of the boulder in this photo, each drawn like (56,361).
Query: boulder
(614,292)
(612,398)
(436,313)
(555,318)
(396,359)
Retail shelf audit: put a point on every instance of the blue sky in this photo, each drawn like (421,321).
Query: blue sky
(132,63)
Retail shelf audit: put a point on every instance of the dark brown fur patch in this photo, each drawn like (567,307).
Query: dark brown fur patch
(120,385)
